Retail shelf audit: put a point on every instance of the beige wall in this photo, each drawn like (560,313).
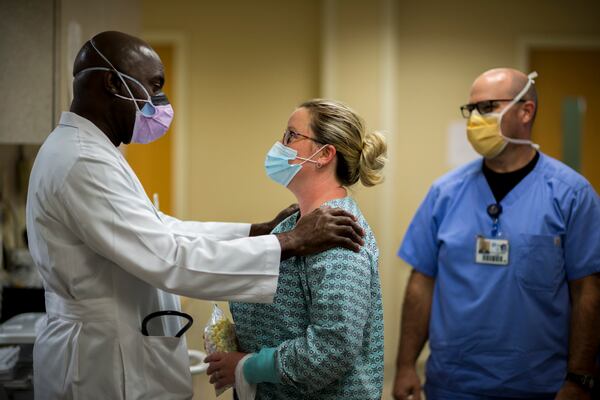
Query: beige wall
(442,46)
(248,65)
(406,66)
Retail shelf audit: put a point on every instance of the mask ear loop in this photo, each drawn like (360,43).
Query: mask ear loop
(120,74)
(309,159)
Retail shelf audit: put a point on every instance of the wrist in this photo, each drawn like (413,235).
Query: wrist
(407,356)
(288,244)
(583,381)
(406,364)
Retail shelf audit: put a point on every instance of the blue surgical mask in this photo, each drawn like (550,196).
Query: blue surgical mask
(277,163)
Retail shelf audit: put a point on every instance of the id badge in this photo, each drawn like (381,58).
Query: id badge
(491,251)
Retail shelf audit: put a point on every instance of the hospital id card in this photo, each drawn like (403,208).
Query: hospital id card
(491,251)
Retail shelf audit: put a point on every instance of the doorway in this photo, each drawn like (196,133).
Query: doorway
(568,75)
(153,162)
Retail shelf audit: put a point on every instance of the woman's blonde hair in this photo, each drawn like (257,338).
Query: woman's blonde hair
(359,155)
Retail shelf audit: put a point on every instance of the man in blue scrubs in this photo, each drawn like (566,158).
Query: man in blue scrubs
(506,258)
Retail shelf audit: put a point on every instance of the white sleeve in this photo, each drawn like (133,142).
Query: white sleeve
(213,230)
(100,203)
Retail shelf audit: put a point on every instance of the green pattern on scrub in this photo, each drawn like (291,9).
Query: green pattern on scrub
(326,322)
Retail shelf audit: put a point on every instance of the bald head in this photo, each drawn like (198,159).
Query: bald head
(125,52)
(503,84)
(510,81)
(106,97)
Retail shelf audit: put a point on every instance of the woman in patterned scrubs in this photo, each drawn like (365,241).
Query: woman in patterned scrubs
(322,338)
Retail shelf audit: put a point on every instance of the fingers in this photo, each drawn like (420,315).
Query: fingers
(349,244)
(221,378)
(407,385)
(416,395)
(213,366)
(213,357)
(338,212)
(343,217)
(286,212)
(360,232)
(350,232)
(217,380)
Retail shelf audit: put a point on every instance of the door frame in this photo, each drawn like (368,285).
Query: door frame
(179,155)
(567,42)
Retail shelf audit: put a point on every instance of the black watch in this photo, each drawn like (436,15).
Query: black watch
(585,381)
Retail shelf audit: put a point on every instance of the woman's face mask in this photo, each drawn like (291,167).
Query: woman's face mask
(485,133)
(277,163)
(151,121)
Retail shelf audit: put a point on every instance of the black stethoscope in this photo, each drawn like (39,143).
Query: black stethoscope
(148,317)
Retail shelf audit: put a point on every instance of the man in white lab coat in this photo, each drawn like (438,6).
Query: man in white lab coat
(108,257)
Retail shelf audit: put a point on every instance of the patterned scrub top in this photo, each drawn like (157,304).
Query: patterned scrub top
(326,322)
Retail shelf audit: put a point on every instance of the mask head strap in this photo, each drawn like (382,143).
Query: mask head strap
(121,76)
(530,81)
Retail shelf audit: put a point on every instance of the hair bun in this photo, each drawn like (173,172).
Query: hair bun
(372,159)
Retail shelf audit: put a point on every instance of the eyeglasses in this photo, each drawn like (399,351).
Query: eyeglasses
(291,136)
(483,107)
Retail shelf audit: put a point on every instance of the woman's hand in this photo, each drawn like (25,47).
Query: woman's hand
(221,368)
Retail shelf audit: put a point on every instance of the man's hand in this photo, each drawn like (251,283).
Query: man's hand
(266,227)
(572,391)
(221,368)
(407,385)
(321,230)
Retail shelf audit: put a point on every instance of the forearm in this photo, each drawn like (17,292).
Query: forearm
(416,312)
(584,339)
(212,230)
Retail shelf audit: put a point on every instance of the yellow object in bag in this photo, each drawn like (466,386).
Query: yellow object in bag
(219,336)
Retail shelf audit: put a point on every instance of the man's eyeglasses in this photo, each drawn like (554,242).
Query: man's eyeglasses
(291,136)
(483,107)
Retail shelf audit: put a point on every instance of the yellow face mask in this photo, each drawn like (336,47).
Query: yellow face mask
(484,131)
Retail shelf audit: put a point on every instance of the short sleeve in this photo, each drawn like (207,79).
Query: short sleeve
(420,245)
(582,238)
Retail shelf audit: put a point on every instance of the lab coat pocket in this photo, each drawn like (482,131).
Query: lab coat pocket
(167,370)
(540,264)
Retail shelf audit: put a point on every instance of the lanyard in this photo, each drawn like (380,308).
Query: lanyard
(494,211)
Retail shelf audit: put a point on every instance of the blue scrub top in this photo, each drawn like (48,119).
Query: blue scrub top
(503,330)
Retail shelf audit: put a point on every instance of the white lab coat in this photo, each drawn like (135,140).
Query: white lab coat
(105,255)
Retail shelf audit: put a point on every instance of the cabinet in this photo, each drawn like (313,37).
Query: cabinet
(27,31)
(39,40)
